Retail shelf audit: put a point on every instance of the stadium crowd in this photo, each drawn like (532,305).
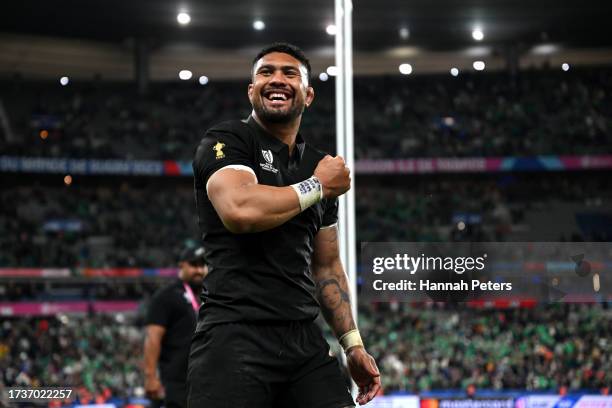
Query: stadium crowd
(144,223)
(96,225)
(419,348)
(98,355)
(429,209)
(485,114)
(544,348)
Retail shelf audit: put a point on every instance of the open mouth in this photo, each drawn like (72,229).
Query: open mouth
(277,96)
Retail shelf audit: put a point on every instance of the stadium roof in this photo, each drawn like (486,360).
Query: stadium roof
(228,24)
(105,39)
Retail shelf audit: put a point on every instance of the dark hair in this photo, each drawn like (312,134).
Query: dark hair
(285,48)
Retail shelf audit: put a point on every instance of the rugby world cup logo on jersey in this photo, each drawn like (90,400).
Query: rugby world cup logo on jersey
(269,158)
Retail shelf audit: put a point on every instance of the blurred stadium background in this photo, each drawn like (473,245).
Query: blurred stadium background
(474,121)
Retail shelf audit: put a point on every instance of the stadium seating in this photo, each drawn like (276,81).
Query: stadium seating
(492,114)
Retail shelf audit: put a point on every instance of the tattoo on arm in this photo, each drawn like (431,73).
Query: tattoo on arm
(335,305)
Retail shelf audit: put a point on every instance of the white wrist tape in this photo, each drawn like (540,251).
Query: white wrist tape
(309,192)
(350,339)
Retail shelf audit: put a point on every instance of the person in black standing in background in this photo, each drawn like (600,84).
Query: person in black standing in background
(170,323)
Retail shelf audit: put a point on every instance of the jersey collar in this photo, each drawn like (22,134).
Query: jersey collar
(275,144)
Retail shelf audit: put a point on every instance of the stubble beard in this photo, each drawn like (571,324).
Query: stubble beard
(278,116)
(196,282)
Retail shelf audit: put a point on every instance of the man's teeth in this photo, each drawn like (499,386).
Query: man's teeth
(277,96)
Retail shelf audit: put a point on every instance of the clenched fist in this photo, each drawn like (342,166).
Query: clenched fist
(333,175)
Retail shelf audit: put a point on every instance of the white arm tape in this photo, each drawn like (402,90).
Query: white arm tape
(350,339)
(309,192)
(234,167)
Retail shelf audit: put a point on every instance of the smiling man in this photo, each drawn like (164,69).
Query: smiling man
(267,206)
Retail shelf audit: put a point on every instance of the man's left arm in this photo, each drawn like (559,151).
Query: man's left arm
(333,295)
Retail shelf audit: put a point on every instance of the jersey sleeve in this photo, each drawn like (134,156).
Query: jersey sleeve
(159,310)
(330,216)
(220,149)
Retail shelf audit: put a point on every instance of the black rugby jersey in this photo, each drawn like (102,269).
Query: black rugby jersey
(262,276)
(170,307)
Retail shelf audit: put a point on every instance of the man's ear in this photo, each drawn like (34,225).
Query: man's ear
(181,265)
(310,94)
(250,92)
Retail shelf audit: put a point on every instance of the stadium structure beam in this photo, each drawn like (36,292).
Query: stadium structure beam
(344,140)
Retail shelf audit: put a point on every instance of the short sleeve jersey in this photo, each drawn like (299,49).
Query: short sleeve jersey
(171,308)
(262,276)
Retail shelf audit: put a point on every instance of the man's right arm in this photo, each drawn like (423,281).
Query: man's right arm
(245,206)
(152,349)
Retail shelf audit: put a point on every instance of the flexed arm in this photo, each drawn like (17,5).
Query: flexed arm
(246,206)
